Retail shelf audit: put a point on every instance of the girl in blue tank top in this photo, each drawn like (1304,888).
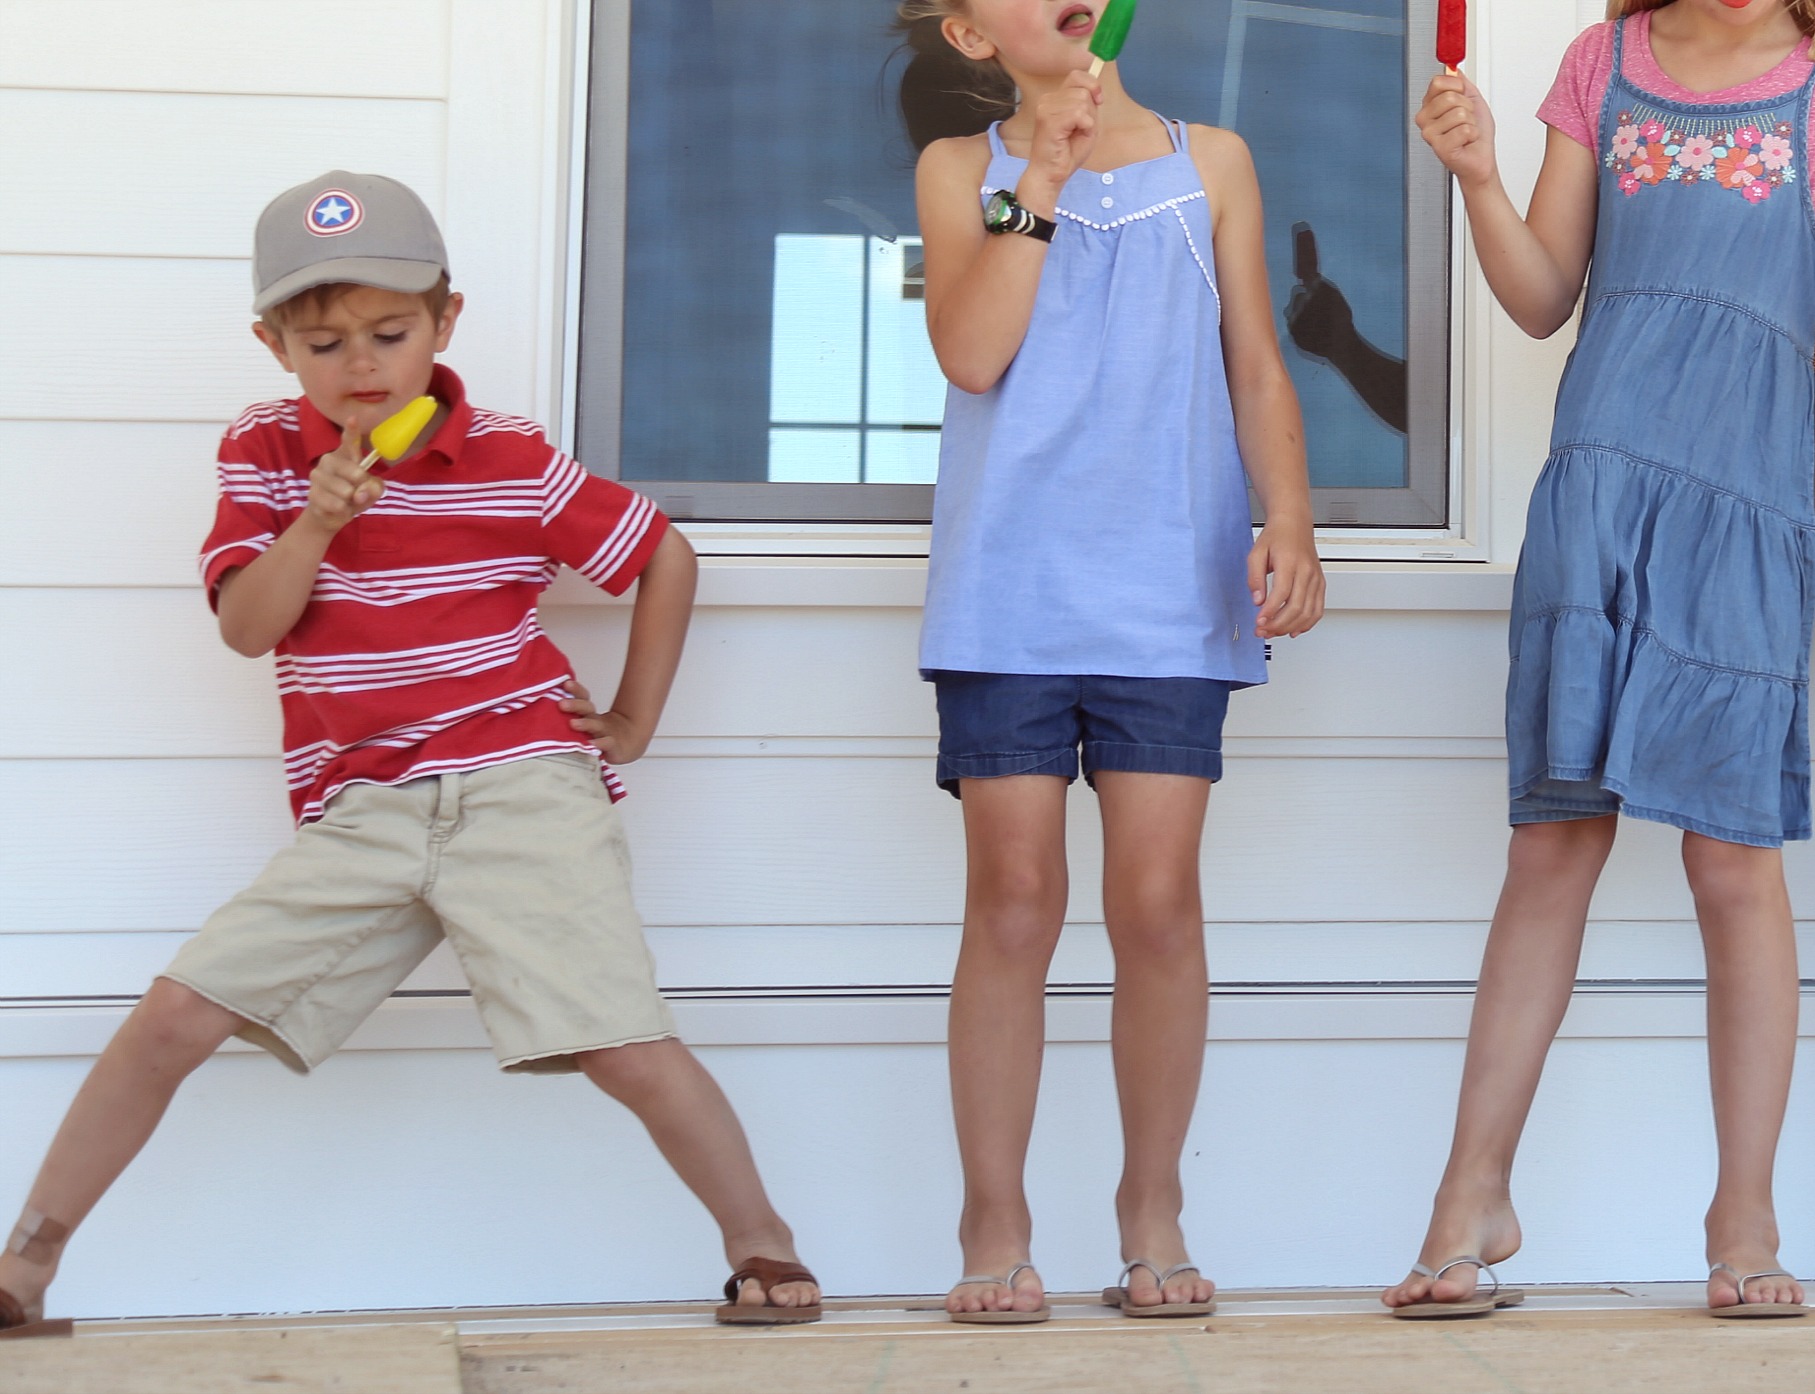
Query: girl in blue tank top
(1097,297)
(1661,617)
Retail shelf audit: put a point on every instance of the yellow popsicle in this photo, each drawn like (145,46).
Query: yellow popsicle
(393,437)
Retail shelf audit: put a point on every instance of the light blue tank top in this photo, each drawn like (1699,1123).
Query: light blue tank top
(1091,515)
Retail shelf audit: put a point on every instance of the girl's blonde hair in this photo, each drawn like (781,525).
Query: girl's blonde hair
(1802,10)
(943,93)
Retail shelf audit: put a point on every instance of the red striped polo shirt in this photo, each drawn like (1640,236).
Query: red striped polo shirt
(419,652)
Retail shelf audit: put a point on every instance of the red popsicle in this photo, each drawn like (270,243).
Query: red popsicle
(1452,33)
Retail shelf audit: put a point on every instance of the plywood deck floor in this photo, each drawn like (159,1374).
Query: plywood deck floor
(1650,1339)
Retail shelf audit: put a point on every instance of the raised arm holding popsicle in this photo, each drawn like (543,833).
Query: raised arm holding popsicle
(1095,589)
(1661,616)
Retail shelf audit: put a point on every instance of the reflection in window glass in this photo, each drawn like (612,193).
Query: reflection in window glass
(773,310)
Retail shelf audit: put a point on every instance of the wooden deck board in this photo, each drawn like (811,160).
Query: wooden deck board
(1565,1341)
(1599,1352)
(420,1359)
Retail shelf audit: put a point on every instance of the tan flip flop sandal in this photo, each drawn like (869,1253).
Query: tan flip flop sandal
(1117,1296)
(20,1323)
(1478,1305)
(1010,1318)
(770,1272)
(1743,1308)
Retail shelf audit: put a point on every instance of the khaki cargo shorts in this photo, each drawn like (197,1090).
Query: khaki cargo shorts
(522,867)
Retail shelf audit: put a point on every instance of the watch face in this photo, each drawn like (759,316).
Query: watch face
(999,210)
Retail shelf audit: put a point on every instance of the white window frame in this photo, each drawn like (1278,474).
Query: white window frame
(601,51)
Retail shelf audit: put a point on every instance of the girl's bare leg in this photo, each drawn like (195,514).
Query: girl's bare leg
(1527,975)
(1153,827)
(1014,906)
(169,1033)
(692,1123)
(1753,1002)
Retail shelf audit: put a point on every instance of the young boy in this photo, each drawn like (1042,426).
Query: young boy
(443,763)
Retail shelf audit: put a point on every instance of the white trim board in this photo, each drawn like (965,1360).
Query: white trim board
(450,1023)
(868,959)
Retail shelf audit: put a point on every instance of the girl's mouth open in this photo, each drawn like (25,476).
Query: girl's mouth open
(1077,21)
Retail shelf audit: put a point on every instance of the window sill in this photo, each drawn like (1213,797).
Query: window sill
(900,582)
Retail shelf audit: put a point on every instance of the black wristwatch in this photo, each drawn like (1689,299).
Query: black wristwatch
(1003,214)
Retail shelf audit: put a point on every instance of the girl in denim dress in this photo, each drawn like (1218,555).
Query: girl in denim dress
(1661,617)
(1097,297)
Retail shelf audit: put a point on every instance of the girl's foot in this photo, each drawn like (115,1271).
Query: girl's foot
(1464,1220)
(1746,1241)
(1163,1243)
(1026,1293)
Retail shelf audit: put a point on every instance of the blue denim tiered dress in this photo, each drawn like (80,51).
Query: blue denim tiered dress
(1661,617)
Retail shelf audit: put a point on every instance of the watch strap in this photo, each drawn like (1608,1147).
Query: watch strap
(1022,220)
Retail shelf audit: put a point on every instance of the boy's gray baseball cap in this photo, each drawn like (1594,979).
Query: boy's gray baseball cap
(360,228)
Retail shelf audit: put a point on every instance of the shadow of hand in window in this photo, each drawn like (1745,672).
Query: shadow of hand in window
(1321,325)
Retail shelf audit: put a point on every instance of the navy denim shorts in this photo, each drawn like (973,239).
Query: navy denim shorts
(995,724)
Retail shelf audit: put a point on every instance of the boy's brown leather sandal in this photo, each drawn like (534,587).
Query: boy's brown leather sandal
(16,1323)
(36,1239)
(771,1273)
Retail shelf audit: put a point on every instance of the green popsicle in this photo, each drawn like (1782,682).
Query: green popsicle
(1110,34)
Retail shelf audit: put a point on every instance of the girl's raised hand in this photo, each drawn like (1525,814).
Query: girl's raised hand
(1065,130)
(1458,127)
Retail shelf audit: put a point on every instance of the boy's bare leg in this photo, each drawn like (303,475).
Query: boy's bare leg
(1527,976)
(693,1125)
(1014,907)
(1753,1002)
(169,1033)
(1153,827)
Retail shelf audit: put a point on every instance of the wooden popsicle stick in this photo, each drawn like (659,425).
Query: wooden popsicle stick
(1096,67)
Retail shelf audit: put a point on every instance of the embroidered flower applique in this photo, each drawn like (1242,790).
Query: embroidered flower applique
(1750,159)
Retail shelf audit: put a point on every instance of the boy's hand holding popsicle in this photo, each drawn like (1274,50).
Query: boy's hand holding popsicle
(340,488)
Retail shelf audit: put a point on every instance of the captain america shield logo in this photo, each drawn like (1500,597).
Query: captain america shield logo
(334,211)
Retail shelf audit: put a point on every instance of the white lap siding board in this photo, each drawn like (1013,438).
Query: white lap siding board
(801,875)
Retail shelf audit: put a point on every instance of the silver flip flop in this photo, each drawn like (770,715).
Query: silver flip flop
(1743,1308)
(1009,1318)
(1478,1305)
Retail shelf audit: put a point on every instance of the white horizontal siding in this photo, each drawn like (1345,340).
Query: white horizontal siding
(1310,1161)
(104,183)
(786,829)
(841,839)
(1270,958)
(818,672)
(345,48)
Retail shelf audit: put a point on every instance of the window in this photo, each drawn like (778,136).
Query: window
(753,343)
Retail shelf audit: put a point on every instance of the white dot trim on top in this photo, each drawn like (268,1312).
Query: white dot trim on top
(1209,280)
(1171,205)
(1148,212)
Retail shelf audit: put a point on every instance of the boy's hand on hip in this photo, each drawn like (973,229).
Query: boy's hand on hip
(618,738)
(339,490)
(1295,601)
